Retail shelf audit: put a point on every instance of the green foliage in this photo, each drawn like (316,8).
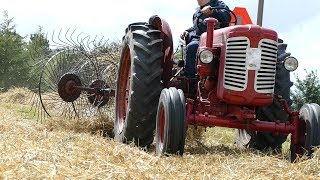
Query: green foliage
(37,50)
(17,57)
(38,46)
(307,90)
(180,53)
(13,64)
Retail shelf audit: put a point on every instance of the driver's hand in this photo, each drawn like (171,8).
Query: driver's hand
(184,35)
(207,10)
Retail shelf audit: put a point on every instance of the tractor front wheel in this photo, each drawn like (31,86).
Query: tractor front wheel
(138,85)
(309,131)
(171,122)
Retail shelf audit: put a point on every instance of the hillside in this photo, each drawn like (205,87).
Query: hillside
(29,149)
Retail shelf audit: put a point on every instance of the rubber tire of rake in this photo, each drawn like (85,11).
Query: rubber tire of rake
(271,113)
(146,71)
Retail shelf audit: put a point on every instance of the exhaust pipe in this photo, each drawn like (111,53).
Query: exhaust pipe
(260,12)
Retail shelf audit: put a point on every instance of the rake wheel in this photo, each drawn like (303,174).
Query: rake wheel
(62,73)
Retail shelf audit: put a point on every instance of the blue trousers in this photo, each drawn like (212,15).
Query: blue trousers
(191,52)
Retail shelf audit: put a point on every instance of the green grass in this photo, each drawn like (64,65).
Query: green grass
(226,136)
(22,111)
(220,135)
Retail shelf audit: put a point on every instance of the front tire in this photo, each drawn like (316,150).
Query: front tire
(138,85)
(171,122)
(310,131)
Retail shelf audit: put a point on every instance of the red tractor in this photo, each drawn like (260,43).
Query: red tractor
(243,82)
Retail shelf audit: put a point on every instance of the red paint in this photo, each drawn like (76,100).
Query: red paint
(214,105)
(245,18)
(70,87)
(207,120)
(211,22)
(122,97)
(255,34)
(167,48)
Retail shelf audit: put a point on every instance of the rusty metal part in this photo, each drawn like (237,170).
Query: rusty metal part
(65,77)
(67,87)
(99,97)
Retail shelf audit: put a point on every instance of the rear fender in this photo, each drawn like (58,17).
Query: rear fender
(167,46)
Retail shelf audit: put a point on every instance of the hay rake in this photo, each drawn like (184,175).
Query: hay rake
(78,81)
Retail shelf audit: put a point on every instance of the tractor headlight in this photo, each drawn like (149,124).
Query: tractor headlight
(290,63)
(206,56)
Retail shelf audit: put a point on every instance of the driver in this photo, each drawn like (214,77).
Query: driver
(192,35)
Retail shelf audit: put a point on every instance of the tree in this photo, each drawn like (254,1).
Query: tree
(20,59)
(306,90)
(38,51)
(38,46)
(13,63)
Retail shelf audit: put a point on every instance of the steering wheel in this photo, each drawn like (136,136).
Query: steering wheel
(219,8)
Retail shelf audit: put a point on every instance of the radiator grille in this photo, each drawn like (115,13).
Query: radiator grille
(265,76)
(235,72)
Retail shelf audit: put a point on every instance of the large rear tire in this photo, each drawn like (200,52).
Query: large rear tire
(310,131)
(171,122)
(138,85)
(272,113)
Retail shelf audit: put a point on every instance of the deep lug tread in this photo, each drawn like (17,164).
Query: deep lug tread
(147,99)
(153,76)
(143,65)
(158,41)
(135,27)
(157,32)
(142,47)
(146,57)
(156,57)
(144,37)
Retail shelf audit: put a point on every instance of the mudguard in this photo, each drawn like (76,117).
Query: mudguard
(167,46)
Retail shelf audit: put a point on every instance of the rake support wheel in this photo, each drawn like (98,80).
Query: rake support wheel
(138,85)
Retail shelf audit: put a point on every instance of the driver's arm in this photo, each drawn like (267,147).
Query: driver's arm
(221,14)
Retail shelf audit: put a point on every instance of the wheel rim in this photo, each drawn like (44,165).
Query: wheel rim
(162,121)
(300,148)
(123,89)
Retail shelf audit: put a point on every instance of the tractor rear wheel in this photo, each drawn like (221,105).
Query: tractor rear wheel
(271,113)
(138,85)
(171,122)
(310,131)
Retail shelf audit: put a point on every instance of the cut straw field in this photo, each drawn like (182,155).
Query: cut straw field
(61,148)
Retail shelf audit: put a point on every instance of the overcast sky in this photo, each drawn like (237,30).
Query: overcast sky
(296,21)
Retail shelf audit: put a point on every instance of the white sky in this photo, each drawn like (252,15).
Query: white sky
(296,21)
